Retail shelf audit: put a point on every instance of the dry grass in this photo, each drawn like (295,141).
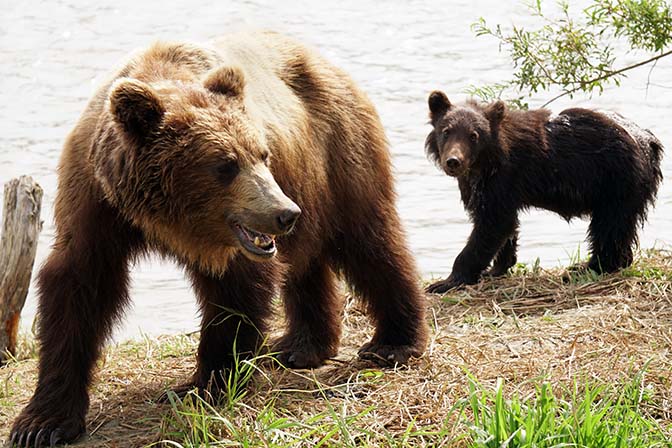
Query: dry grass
(521,328)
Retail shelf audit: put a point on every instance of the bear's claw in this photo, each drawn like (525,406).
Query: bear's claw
(21,439)
(41,436)
(388,354)
(296,359)
(295,353)
(33,431)
(56,437)
(442,286)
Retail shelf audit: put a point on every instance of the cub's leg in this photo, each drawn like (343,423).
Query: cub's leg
(491,229)
(612,233)
(506,256)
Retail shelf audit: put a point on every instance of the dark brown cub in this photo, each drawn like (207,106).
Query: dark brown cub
(579,163)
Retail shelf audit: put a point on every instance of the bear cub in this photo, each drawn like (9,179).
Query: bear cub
(580,163)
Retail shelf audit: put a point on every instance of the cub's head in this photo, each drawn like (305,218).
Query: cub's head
(463,137)
(183,161)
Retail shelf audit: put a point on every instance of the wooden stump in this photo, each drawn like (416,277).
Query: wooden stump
(20,230)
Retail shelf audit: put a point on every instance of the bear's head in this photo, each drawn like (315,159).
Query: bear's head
(183,161)
(464,137)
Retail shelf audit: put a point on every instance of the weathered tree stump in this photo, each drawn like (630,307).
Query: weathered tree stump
(20,230)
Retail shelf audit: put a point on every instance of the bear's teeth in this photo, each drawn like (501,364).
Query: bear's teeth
(257,241)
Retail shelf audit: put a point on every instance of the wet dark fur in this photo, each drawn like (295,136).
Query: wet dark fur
(119,199)
(579,164)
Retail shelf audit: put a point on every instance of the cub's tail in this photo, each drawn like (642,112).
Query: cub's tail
(654,150)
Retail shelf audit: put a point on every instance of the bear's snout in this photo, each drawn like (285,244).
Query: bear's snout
(453,165)
(287,218)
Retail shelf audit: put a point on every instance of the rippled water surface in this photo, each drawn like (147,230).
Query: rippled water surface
(54,54)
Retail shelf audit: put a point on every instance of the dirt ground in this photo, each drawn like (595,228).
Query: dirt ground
(521,328)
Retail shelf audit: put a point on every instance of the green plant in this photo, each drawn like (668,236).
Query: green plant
(522,269)
(599,416)
(577,53)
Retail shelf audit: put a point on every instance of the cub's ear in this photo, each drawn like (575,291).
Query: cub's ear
(438,104)
(226,80)
(495,112)
(135,106)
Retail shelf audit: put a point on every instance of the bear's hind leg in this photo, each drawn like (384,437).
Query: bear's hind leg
(313,310)
(234,309)
(506,257)
(612,233)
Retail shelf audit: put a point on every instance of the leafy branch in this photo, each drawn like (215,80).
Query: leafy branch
(576,53)
(610,74)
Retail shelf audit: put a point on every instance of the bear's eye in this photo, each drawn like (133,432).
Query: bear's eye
(226,171)
(266,157)
(474,136)
(445,132)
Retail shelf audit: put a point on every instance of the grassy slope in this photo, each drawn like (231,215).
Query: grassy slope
(524,330)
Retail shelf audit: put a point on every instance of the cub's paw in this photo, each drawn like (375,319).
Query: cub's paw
(301,354)
(443,286)
(384,354)
(33,430)
(497,271)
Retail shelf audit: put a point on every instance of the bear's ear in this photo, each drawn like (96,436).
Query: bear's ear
(495,112)
(438,104)
(226,80)
(135,106)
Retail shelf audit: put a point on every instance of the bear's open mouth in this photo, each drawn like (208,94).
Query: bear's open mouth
(257,243)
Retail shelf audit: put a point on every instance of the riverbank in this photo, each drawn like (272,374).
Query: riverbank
(607,334)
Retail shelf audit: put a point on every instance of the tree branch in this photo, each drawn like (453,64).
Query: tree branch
(607,75)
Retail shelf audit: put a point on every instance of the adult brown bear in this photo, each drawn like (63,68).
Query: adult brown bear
(205,154)
(580,163)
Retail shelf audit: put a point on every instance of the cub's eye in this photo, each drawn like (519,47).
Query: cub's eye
(266,157)
(226,171)
(445,132)
(474,136)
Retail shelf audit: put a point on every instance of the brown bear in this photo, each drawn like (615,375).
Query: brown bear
(207,155)
(577,164)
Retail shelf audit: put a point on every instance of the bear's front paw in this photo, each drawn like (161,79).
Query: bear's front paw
(442,286)
(385,354)
(208,385)
(301,354)
(34,430)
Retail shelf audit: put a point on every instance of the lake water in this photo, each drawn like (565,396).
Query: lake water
(54,54)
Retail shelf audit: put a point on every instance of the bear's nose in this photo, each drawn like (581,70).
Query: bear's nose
(453,163)
(287,218)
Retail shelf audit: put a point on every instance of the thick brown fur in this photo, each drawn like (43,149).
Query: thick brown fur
(580,163)
(181,144)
